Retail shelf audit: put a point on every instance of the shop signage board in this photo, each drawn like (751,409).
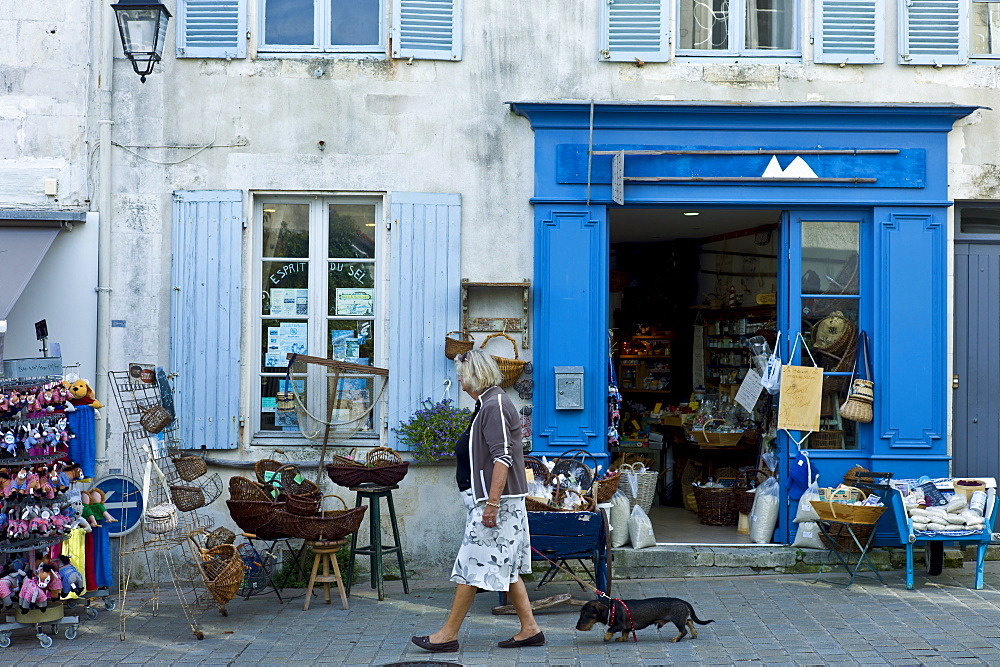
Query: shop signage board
(32,367)
(800,398)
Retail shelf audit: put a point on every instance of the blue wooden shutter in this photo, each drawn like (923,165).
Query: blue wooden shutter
(849,31)
(206,317)
(427,29)
(211,28)
(633,29)
(424,303)
(934,32)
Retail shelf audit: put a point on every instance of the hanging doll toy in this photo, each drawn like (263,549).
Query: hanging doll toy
(88,510)
(97,507)
(33,442)
(33,594)
(43,488)
(54,483)
(72,580)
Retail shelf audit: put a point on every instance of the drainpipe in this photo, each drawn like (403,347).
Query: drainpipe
(101,384)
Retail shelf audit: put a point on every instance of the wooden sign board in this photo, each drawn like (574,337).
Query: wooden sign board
(800,398)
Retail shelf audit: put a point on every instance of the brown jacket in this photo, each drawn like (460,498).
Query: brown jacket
(496,436)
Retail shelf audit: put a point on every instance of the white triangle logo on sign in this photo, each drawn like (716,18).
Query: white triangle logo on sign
(797,169)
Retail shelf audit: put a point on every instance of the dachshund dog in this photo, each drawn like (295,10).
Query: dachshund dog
(626,615)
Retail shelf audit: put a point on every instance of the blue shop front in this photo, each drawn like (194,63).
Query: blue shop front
(838,211)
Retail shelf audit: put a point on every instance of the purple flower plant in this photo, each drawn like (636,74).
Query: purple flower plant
(431,432)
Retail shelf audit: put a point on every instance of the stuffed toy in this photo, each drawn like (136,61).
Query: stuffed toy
(97,507)
(83,394)
(74,520)
(72,580)
(9,584)
(19,485)
(33,592)
(55,584)
(10,443)
(88,509)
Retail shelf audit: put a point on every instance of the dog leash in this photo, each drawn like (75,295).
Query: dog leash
(600,593)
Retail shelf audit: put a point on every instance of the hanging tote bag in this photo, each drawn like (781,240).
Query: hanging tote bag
(861,395)
(801,393)
(771,379)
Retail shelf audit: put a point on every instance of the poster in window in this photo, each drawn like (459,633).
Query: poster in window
(289,301)
(358,301)
(284,339)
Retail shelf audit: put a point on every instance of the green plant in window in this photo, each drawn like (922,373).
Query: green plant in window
(432,431)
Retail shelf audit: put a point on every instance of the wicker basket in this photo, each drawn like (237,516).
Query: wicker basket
(223,572)
(716,506)
(383,456)
(454,346)
(241,488)
(387,475)
(645,485)
(573,464)
(744,491)
(510,369)
(266,465)
(829,511)
(294,483)
(834,333)
(538,469)
(219,536)
(715,438)
(833,439)
(187,498)
(327,525)
(160,519)
(190,468)
(302,505)
(537,505)
(607,487)
(257,517)
(155,418)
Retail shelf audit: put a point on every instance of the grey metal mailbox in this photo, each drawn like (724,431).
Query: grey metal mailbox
(569,387)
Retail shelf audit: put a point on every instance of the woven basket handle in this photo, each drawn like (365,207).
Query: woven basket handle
(375,450)
(334,495)
(462,333)
(513,343)
(704,429)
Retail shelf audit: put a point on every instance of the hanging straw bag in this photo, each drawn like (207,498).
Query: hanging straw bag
(858,406)
(456,346)
(161,519)
(511,369)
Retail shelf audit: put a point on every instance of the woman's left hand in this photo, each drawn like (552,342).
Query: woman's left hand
(490,516)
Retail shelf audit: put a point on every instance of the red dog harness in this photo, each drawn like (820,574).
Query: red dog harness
(628,612)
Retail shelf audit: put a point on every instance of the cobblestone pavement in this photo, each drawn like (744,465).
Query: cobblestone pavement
(772,619)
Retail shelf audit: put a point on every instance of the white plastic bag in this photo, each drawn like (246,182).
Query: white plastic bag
(805,511)
(618,519)
(764,516)
(807,536)
(640,529)
(771,379)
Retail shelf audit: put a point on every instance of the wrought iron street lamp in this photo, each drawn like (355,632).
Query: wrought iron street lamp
(143,29)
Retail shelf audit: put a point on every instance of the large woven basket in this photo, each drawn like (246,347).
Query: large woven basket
(538,469)
(187,498)
(266,466)
(456,346)
(744,490)
(645,485)
(829,511)
(510,369)
(840,536)
(223,572)
(536,505)
(387,475)
(716,506)
(716,438)
(190,468)
(327,525)
(257,517)
(241,488)
(219,536)
(383,456)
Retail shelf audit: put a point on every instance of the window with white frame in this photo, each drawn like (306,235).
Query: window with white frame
(323,26)
(737,27)
(318,266)
(985,29)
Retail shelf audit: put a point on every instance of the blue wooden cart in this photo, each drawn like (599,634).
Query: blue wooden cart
(897,530)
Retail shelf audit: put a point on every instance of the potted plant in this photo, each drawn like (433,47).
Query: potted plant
(432,431)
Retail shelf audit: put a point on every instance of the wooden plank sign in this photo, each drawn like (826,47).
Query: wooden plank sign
(800,398)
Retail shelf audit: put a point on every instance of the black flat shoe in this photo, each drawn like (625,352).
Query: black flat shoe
(536,640)
(426,644)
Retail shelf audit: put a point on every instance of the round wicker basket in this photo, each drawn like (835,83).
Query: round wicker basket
(511,369)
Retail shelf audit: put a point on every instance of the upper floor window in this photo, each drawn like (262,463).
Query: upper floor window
(985,16)
(737,27)
(352,26)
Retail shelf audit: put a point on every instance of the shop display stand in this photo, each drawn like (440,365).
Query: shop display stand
(53,616)
(159,555)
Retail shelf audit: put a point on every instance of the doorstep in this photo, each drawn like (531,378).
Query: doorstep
(686,560)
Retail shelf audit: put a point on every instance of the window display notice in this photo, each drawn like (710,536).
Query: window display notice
(284,405)
(347,347)
(289,301)
(284,339)
(355,301)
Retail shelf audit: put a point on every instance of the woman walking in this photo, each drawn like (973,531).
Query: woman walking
(496,546)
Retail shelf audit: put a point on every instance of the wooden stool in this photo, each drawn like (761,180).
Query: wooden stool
(373,493)
(325,552)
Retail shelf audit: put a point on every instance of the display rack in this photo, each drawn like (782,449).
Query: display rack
(163,554)
(497,324)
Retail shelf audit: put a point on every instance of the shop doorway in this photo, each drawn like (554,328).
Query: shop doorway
(689,289)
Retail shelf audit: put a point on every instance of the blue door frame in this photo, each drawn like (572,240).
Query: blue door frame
(890,164)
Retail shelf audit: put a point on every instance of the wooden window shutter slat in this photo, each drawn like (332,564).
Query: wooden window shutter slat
(211,28)
(849,31)
(427,29)
(934,32)
(635,29)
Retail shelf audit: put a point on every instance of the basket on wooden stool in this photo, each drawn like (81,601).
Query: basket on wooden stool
(190,468)
(456,346)
(383,456)
(219,536)
(510,369)
(716,506)
(187,498)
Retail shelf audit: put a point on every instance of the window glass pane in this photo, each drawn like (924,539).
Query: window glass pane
(286,230)
(704,24)
(834,432)
(277,403)
(289,22)
(354,22)
(830,326)
(985,36)
(979,220)
(278,338)
(352,289)
(352,404)
(285,289)
(351,341)
(830,257)
(352,231)
(770,24)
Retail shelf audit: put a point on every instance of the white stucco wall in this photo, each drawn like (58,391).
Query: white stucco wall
(387,126)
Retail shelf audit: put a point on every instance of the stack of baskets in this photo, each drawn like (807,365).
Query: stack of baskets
(323,524)
(382,466)
(253,509)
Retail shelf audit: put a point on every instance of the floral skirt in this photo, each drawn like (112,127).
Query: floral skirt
(493,558)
